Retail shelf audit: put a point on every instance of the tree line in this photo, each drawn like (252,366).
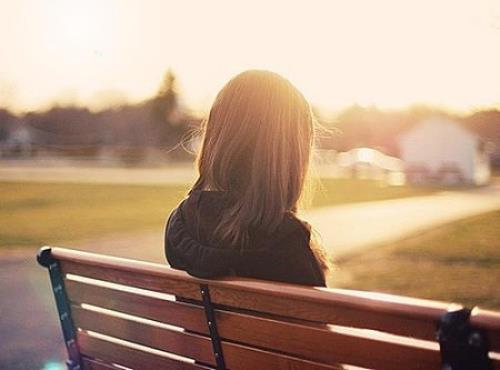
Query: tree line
(158,123)
(162,125)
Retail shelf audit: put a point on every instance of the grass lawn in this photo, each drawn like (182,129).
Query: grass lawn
(33,214)
(456,262)
(339,191)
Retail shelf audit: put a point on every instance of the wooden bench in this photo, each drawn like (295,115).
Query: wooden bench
(118,313)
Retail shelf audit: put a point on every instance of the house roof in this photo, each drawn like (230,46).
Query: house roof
(437,127)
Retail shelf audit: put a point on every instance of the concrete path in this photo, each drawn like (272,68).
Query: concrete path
(176,175)
(351,227)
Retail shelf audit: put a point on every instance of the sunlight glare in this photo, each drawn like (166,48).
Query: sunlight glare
(53,365)
(386,53)
(78,25)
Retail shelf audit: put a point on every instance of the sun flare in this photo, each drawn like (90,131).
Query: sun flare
(386,53)
(79,25)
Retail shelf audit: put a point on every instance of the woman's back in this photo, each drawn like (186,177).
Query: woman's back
(191,245)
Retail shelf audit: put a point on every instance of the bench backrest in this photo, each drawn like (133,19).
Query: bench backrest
(119,312)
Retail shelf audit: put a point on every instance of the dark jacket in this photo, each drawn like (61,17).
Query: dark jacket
(283,256)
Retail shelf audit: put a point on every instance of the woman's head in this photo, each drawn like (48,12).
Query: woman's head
(256,147)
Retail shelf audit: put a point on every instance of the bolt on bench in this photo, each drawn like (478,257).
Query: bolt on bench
(118,313)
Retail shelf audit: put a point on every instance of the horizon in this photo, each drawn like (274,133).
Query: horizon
(390,55)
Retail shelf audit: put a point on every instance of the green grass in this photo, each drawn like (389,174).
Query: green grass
(340,191)
(33,214)
(456,262)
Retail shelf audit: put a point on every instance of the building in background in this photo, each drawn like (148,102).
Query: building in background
(360,163)
(19,142)
(441,151)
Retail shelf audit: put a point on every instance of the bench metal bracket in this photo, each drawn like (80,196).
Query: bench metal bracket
(212,327)
(462,346)
(45,259)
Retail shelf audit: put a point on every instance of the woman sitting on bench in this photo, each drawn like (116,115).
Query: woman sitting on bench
(240,217)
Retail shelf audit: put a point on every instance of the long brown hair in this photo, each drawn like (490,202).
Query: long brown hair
(256,146)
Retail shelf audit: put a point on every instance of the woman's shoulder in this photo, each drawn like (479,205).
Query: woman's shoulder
(291,234)
(201,209)
(293,225)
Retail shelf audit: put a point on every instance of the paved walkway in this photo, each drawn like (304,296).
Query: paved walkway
(351,227)
(104,175)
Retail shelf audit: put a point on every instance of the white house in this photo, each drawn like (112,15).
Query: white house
(442,151)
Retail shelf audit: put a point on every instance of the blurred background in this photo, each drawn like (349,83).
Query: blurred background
(101,104)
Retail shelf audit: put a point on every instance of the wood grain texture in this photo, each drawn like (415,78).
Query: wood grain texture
(377,302)
(395,315)
(143,280)
(185,315)
(270,325)
(177,342)
(322,345)
(239,357)
(323,312)
(315,344)
(188,344)
(130,357)
(273,333)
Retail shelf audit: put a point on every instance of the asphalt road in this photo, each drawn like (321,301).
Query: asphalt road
(30,337)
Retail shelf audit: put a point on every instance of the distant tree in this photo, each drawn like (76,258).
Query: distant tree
(486,124)
(359,126)
(165,110)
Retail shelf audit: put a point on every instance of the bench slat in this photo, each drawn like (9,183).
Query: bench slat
(323,308)
(182,288)
(129,357)
(313,344)
(177,342)
(324,344)
(185,315)
(92,364)
(354,299)
(396,305)
(186,344)
(325,313)
(239,357)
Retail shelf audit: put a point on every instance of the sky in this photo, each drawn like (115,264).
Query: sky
(388,53)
